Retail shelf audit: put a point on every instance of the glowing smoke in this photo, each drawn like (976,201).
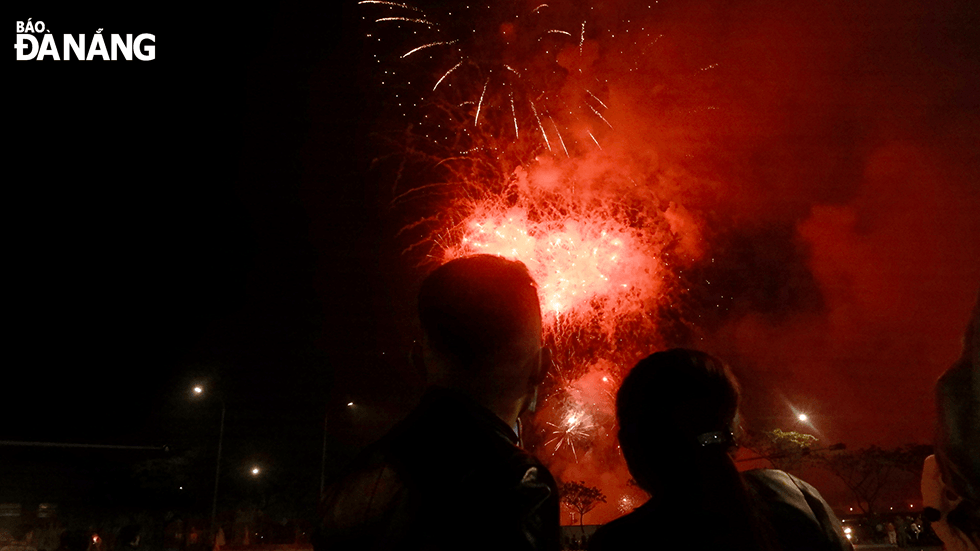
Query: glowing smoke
(759,181)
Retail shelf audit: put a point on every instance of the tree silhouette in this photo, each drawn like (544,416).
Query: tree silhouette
(582,498)
(867,471)
(785,450)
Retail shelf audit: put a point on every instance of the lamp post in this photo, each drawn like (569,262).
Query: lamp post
(323,457)
(217,471)
(198,391)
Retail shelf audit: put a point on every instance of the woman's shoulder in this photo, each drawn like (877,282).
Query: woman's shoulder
(796,510)
(776,483)
(627,531)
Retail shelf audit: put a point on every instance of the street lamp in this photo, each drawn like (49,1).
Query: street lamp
(802,417)
(199,390)
(255,471)
(323,457)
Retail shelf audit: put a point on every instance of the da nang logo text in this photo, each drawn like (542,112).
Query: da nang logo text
(35,42)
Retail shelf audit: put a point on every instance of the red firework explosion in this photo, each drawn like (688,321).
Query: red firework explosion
(595,240)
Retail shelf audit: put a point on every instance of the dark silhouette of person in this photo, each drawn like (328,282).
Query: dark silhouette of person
(452,475)
(22,539)
(951,477)
(678,414)
(74,540)
(129,536)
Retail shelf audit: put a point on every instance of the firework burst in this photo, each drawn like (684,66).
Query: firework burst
(505,67)
(519,150)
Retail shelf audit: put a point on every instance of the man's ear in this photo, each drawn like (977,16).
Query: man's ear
(544,365)
(417,358)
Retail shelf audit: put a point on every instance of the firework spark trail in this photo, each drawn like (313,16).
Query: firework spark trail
(604,106)
(537,52)
(513,110)
(405,20)
(594,140)
(560,139)
(598,114)
(429,45)
(393,4)
(476,119)
(446,74)
(541,126)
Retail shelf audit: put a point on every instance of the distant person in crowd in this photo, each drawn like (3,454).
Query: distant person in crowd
(951,477)
(452,474)
(916,528)
(902,531)
(74,540)
(129,537)
(22,539)
(678,415)
(892,533)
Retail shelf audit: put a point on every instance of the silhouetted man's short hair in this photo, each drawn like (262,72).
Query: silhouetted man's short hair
(480,310)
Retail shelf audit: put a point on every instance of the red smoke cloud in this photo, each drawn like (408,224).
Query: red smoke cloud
(824,162)
(807,179)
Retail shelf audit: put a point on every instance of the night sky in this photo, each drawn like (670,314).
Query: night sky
(215,216)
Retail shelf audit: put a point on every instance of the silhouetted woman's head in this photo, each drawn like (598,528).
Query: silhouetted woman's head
(677,410)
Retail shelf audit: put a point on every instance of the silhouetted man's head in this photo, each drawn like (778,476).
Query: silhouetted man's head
(481,322)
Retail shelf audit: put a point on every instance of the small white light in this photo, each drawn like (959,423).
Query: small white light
(255,470)
(350,404)
(802,417)
(198,390)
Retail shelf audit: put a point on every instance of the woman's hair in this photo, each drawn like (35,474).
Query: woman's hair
(670,402)
(678,412)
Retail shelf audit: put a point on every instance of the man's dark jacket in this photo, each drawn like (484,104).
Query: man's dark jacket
(450,476)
